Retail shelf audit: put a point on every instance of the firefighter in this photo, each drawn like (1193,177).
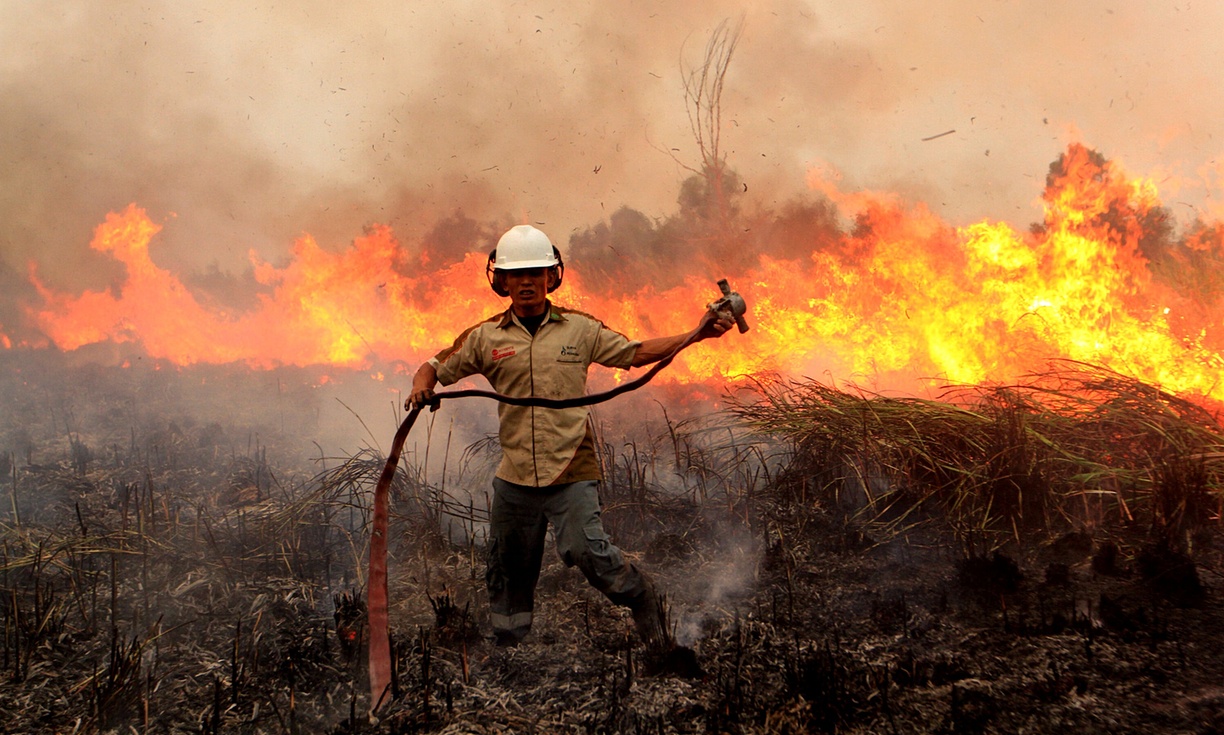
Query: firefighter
(549,472)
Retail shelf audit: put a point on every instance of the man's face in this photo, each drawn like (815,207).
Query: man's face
(528,290)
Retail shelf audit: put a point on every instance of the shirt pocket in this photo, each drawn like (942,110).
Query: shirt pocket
(562,380)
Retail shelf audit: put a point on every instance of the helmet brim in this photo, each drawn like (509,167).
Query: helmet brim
(519,266)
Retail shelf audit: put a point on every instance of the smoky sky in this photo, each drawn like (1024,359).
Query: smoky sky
(241,126)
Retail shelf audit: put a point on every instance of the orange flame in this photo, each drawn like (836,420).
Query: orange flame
(902,302)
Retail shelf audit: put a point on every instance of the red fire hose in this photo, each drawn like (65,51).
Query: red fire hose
(731,305)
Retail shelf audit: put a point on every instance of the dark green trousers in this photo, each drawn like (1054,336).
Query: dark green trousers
(517,532)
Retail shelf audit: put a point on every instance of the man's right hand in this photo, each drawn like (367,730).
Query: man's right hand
(422,394)
(421,399)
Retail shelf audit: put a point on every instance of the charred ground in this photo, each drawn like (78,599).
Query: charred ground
(175,562)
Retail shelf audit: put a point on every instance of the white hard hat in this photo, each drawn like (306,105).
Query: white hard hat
(524,247)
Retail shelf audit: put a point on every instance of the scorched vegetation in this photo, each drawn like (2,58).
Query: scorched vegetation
(1041,556)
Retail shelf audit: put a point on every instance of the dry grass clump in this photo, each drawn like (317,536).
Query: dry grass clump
(676,485)
(1076,446)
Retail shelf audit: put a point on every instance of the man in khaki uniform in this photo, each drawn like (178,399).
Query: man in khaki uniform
(549,471)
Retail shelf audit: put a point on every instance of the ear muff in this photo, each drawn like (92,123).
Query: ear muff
(497,279)
(558,270)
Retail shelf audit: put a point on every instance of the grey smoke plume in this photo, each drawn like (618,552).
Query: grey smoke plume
(243,126)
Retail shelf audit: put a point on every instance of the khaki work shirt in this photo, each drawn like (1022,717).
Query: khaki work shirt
(538,444)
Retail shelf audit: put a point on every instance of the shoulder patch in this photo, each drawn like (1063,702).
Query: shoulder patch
(446,354)
(574,312)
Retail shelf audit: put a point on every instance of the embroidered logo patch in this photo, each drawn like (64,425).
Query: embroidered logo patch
(569,351)
(500,353)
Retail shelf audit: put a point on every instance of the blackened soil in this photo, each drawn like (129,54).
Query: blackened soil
(815,635)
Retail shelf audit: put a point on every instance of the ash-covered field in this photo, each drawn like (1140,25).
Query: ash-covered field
(184,552)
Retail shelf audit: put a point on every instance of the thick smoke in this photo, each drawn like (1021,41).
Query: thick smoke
(252,124)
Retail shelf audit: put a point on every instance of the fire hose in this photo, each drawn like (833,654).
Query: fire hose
(731,305)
